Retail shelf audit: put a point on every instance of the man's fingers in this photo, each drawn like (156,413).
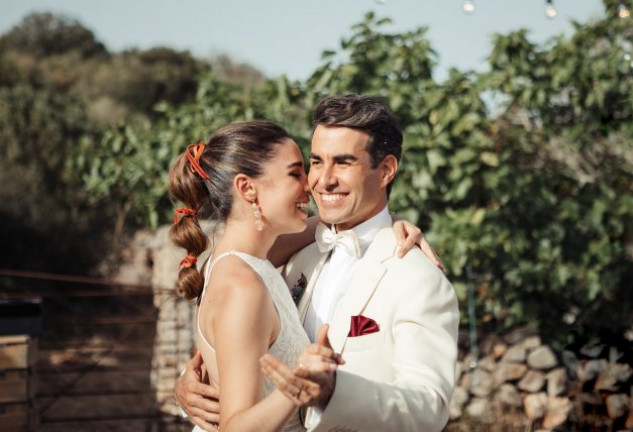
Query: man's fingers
(318,362)
(310,371)
(322,348)
(204,425)
(194,387)
(204,415)
(196,361)
(309,393)
(318,358)
(207,390)
(319,350)
(211,406)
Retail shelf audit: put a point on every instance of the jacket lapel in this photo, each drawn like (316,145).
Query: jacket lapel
(364,282)
(312,276)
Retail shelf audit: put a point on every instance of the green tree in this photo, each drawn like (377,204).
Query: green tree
(571,102)
(47,223)
(129,166)
(46,34)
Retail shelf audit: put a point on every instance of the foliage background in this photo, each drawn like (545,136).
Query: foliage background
(522,177)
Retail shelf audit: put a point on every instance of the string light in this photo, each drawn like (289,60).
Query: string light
(550,10)
(623,11)
(469,6)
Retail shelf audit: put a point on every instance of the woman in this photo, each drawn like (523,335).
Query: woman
(251,177)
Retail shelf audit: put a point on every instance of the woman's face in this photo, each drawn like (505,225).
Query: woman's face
(282,190)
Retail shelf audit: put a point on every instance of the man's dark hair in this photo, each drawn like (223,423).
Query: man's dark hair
(367,114)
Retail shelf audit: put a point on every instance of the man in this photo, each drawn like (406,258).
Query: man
(393,320)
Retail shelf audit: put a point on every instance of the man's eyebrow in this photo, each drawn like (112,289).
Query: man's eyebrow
(337,158)
(345,158)
(295,165)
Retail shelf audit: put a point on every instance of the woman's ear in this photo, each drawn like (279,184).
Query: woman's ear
(245,187)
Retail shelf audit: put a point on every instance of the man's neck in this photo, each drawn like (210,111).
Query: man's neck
(336,229)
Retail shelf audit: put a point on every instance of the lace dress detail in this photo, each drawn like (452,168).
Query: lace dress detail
(291,339)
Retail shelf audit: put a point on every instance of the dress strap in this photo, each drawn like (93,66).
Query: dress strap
(209,266)
(207,272)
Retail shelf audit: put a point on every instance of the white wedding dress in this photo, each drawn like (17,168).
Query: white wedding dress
(291,339)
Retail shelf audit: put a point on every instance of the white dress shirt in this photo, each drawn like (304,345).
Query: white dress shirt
(337,273)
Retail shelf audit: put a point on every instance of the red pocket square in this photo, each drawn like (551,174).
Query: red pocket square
(361,325)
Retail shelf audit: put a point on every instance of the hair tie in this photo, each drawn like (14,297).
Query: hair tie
(184,212)
(193,152)
(187,262)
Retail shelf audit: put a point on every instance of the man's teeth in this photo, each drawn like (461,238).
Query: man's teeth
(333,197)
(302,206)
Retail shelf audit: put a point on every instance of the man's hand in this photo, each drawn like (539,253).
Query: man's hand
(408,236)
(318,363)
(312,382)
(199,400)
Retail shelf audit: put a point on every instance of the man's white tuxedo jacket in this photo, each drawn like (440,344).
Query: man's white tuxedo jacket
(400,378)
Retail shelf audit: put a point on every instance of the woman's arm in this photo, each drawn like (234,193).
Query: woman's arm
(244,324)
(407,235)
(288,244)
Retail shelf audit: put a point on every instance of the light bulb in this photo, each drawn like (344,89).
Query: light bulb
(550,10)
(623,11)
(469,6)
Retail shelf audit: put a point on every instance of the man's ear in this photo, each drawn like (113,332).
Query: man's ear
(245,187)
(388,167)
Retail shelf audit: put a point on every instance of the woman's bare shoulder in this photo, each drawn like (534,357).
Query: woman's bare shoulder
(233,279)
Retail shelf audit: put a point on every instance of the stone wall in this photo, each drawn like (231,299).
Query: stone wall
(174,342)
(521,383)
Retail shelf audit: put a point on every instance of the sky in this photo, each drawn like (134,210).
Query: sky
(287,36)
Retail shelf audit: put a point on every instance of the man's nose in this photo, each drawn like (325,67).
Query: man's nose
(328,177)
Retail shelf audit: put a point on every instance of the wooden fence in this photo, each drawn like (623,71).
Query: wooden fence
(90,369)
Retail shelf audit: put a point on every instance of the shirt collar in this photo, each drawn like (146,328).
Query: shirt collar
(367,231)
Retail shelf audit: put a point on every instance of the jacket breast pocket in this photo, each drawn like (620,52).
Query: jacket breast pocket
(362,343)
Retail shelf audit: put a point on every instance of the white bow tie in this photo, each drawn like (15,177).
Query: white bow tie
(327,240)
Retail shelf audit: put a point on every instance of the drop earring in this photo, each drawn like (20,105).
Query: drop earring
(259,225)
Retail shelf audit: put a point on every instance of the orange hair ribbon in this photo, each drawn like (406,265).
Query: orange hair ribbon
(193,152)
(187,262)
(184,212)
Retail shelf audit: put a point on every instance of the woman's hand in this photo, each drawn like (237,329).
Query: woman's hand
(312,382)
(408,236)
